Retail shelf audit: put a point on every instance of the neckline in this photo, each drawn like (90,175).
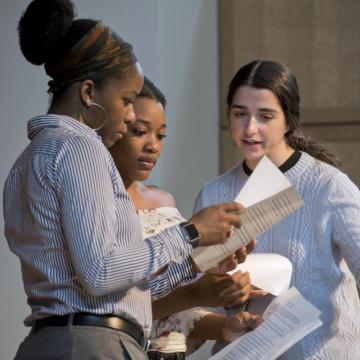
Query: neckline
(289,163)
(156,209)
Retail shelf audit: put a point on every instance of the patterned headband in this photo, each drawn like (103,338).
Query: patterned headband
(100,49)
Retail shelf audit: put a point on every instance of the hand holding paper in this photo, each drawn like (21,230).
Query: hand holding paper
(287,320)
(269,272)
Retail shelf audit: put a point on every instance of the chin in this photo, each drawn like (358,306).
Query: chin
(253,156)
(142,175)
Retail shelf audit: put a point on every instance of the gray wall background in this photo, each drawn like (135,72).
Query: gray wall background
(177,45)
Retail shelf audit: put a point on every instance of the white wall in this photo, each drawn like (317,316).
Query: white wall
(176,42)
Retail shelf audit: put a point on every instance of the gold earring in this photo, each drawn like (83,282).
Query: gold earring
(82,117)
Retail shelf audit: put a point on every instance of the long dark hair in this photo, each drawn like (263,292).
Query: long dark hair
(281,81)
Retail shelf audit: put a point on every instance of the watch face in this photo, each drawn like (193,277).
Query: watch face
(193,233)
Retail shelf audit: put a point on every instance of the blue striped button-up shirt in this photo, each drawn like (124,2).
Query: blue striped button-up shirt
(70,221)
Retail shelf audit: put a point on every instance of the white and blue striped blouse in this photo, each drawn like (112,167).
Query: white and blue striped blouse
(70,221)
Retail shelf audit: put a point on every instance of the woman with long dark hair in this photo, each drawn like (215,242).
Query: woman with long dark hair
(321,239)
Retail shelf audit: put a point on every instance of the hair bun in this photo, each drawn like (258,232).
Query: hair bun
(42,27)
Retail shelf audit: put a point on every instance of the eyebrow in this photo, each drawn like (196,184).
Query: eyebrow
(147,122)
(131,93)
(261,109)
(268,110)
(238,107)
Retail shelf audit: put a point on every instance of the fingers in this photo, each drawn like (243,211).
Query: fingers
(241,254)
(251,246)
(235,289)
(214,223)
(239,279)
(233,219)
(227,264)
(257,293)
(250,320)
(233,207)
(236,298)
(239,324)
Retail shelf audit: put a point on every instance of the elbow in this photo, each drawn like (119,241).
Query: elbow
(94,288)
(95,283)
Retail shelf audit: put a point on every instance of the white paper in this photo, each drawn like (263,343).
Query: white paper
(269,198)
(287,319)
(265,181)
(270,272)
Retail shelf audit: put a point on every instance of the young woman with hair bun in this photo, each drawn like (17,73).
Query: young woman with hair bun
(68,217)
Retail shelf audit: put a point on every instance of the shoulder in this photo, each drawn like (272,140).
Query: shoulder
(84,159)
(221,189)
(159,197)
(229,182)
(329,180)
(326,173)
(79,148)
(226,179)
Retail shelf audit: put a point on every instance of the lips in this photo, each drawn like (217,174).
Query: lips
(147,162)
(251,142)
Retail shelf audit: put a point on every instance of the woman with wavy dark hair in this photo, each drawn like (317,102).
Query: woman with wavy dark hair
(321,239)
(67,214)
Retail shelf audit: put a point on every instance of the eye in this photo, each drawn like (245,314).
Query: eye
(266,116)
(240,114)
(138,132)
(161,136)
(128,101)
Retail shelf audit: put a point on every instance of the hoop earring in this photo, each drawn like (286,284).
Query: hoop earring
(83,119)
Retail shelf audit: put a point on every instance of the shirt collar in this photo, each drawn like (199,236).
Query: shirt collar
(38,123)
(287,165)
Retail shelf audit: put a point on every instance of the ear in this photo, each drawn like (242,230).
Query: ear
(87,92)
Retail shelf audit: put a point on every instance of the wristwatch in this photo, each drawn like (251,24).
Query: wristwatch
(191,233)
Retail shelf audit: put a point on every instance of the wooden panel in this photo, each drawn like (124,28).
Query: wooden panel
(344,141)
(320,41)
(330,116)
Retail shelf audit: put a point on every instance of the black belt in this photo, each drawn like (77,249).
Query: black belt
(156,355)
(108,321)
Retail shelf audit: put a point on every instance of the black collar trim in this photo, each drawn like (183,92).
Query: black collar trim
(287,165)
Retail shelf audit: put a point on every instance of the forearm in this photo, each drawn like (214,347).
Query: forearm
(175,275)
(210,327)
(179,300)
(123,267)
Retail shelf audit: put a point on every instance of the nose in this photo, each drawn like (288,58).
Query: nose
(152,145)
(129,115)
(251,126)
